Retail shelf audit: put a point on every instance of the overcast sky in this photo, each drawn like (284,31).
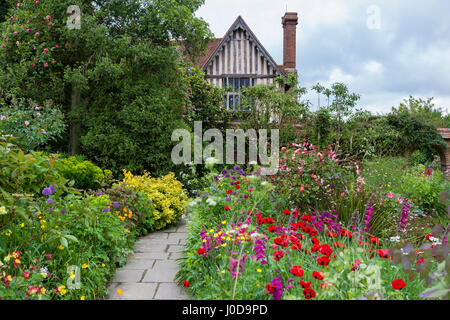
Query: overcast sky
(406,51)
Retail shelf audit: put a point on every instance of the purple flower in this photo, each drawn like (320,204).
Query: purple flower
(116,204)
(63,211)
(404,216)
(224,172)
(99,193)
(50,201)
(278,288)
(48,191)
(227,198)
(369,211)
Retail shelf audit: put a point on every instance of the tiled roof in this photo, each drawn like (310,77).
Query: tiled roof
(212,46)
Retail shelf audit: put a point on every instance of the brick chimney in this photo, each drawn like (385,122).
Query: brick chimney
(289,21)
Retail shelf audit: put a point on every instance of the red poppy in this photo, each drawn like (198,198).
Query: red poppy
(277,255)
(355,266)
(270,288)
(325,249)
(269,220)
(237,186)
(318,275)
(229,191)
(305,284)
(346,233)
(297,271)
(374,240)
(309,293)
(384,253)
(237,182)
(272,228)
(332,234)
(315,240)
(323,261)
(428,236)
(398,284)
(286,211)
(186,283)
(201,251)
(306,217)
(295,213)
(227,208)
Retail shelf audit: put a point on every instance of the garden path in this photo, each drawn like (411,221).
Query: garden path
(149,273)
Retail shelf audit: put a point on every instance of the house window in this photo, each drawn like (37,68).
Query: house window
(237,84)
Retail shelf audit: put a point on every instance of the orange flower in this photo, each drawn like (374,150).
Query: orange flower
(119,291)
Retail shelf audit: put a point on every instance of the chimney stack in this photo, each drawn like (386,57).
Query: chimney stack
(289,21)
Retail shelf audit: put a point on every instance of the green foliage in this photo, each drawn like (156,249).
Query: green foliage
(270,106)
(424,189)
(84,173)
(166,193)
(34,125)
(133,207)
(424,110)
(25,173)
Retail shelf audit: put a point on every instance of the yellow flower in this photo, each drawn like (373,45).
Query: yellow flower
(259,270)
(62,290)
(224,244)
(72,274)
(22,225)
(119,291)
(258,285)
(82,298)
(103,265)
(223,271)
(224,221)
(61,247)
(84,266)
(8,233)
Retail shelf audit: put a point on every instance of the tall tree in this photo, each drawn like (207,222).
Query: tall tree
(118,64)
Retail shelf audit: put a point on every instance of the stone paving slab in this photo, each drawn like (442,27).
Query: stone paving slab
(150,271)
(125,275)
(170,291)
(132,291)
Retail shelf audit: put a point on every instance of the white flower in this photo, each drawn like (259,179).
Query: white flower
(211,202)
(254,235)
(253,162)
(244,226)
(395,239)
(3,211)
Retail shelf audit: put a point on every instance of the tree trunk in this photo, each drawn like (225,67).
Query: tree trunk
(75,125)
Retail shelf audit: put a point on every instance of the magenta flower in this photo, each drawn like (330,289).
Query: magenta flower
(27,123)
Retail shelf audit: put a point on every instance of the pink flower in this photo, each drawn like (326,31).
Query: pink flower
(27,123)
(390,195)
(38,114)
(37,34)
(47,17)
(45,64)
(45,50)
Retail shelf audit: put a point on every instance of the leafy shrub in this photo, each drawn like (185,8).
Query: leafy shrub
(424,187)
(166,194)
(84,173)
(25,173)
(34,125)
(312,178)
(133,207)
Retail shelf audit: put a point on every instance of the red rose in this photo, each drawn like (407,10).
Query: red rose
(398,284)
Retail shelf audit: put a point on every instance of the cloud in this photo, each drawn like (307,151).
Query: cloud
(408,54)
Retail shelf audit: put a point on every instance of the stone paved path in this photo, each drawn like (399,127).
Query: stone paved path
(149,273)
